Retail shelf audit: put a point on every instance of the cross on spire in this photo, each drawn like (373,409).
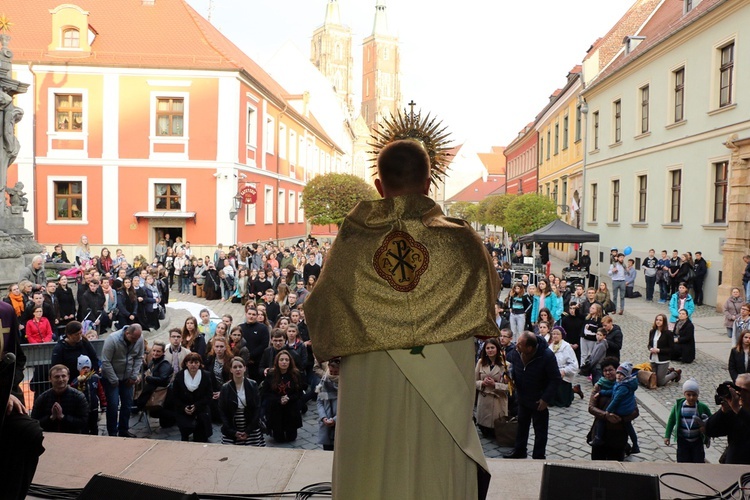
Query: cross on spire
(411,105)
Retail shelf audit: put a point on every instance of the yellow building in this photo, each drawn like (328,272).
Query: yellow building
(560,152)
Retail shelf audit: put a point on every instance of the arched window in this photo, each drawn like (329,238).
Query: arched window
(71,38)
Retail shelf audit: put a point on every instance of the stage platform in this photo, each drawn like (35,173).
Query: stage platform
(71,460)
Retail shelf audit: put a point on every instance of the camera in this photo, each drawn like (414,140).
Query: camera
(722,392)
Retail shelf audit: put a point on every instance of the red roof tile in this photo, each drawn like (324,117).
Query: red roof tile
(479,189)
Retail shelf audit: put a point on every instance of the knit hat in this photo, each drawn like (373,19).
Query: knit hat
(560,329)
(84,360)
(691,385)
(626,368)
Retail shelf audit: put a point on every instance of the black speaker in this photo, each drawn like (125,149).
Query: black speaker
(115,488)
(567,482)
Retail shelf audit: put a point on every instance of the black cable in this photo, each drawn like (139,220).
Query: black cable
(739,486)
(317,490)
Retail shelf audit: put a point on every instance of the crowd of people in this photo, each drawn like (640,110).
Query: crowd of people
(575,324)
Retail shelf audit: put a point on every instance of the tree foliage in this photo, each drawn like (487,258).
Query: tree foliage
(460,209)
(328,198)
(497,208)
(529,212)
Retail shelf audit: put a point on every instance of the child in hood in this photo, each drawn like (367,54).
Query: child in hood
(622,403)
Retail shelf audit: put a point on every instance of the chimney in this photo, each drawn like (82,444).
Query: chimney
(631,42)
(148,3)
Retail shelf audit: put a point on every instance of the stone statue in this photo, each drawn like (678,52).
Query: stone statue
(11,116)
(17,196)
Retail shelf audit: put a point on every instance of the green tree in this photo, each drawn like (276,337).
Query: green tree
(483,210)
(460,209)
(328,198)
(471,212)
(529,212)
(497,207)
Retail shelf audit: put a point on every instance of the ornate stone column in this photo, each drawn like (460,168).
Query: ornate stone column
(737,243)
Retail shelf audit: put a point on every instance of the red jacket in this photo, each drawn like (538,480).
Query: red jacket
(37,333)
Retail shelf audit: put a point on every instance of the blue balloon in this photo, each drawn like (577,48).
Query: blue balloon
(627,251)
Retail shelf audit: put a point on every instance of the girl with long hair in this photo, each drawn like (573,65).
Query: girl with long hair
(239,408)
(518,303)
(192,338)
(492,386)
(127,304)
(282,390)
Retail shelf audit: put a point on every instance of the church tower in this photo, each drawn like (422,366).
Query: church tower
(331,53)
(381,85)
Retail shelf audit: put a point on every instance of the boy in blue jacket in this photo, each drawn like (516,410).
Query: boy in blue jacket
(622,403)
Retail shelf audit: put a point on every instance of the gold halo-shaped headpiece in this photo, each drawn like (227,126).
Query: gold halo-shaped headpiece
(427,131)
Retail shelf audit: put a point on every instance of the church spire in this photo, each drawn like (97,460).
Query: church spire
(380,26)
(333,16)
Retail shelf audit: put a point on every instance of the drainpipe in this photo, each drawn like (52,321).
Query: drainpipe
(33,148)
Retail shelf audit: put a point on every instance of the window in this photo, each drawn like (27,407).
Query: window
(541,150)
(578,123)
(291,205)
(71,38)
(594,201)
(282,140)
(68,112)
(300,211)
(557,138)
(616,201)
(596,130)
(302,152)
(268,205)
(549,143)
(250,208)
(642,196)
(270,130)
(169,116)
(726,72)
(688,6)
(618,121)
(555,193)
(280,208)
(168,196)
(676,178)
(68,200)
(565,133)
(564,191)
(721,177)
(252,128)
(644,109)
(679,95)
(292,149)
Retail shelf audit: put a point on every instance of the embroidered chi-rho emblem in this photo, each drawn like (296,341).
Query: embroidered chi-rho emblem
(401,260)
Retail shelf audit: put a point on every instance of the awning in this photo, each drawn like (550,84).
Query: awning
(164,215)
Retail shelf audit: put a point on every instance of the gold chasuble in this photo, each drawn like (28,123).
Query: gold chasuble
(402,294)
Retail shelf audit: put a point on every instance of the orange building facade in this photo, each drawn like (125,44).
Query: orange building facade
(137,129)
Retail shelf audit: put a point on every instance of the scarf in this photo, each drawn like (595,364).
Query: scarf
(83,382)
(605,384)
(678,325)
(556,347)
(18,304)
(192,383)
(328,388)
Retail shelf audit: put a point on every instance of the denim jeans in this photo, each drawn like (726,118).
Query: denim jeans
(663,291)
(650,285)
(118,395)
(618,288)
(517,324)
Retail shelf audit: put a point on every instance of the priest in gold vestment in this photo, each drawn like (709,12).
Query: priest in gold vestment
(402,294)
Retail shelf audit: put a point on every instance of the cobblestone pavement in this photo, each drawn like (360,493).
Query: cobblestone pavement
(568,426)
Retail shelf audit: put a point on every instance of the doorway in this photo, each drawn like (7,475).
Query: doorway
(159,232)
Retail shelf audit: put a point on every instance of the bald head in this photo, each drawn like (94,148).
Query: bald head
(403,168)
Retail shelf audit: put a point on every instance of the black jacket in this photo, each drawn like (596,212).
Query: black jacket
(700,268)
(256,336)
(228,407)
(737,364)
(66,354)
(664,344)
(75,411)
(684,346)
(90,306)
(66,301)
(614,342)
(161,373)
(736,426)
(538,379)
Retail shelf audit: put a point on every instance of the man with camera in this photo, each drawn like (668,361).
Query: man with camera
(733,420)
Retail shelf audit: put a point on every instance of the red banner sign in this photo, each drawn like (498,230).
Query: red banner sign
(249,195)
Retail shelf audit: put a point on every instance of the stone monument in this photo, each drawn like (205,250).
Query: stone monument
(17,244)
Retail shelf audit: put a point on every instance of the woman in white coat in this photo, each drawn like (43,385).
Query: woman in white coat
(492,387)
(567,363)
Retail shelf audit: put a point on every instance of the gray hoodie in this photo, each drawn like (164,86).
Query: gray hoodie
(121,360)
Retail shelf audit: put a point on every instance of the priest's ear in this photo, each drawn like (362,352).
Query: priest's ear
(379,187)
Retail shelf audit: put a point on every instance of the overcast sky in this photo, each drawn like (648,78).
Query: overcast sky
(485,67)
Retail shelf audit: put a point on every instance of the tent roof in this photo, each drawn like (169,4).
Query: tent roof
(558,231)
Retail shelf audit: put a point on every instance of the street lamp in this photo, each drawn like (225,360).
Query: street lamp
(236,205)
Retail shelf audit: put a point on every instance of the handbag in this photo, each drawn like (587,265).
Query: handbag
(506,429)
(156,401)
(585,369)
